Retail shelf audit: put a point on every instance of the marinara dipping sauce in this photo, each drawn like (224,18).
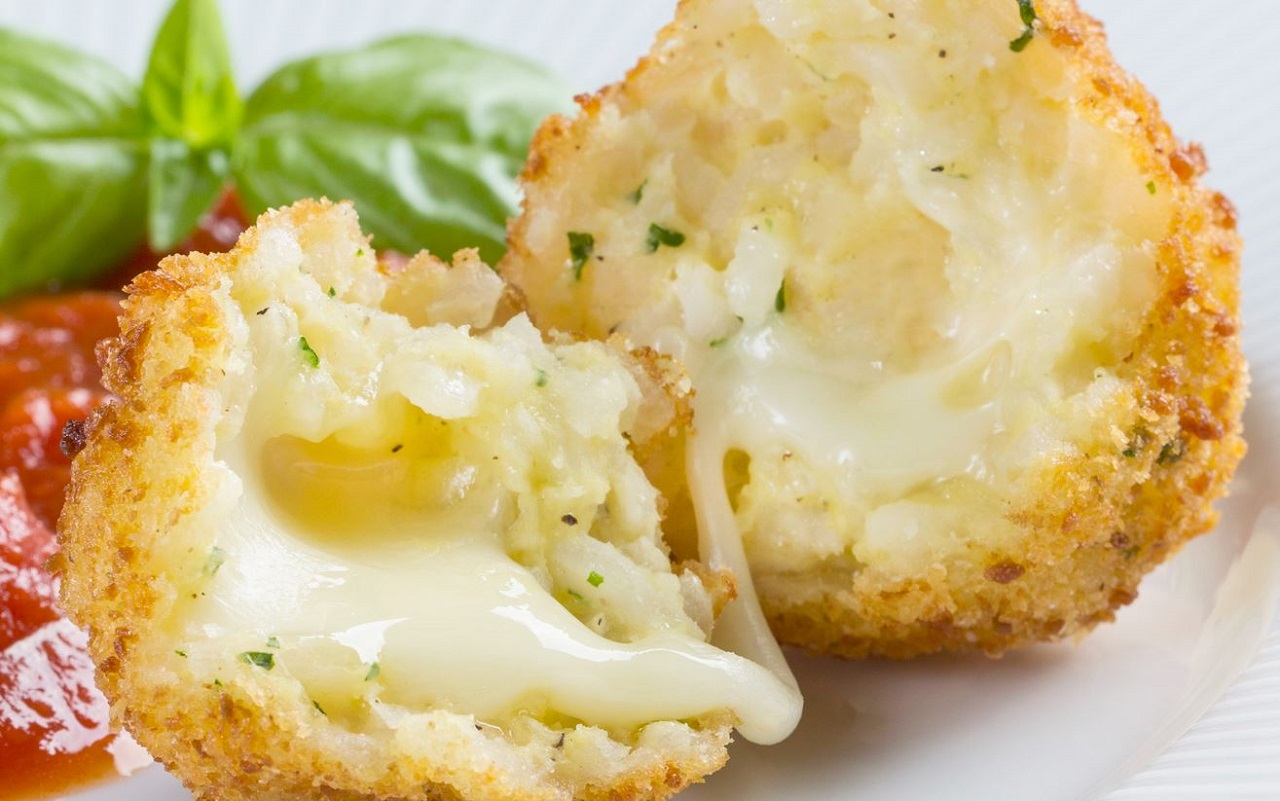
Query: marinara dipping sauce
(53,722)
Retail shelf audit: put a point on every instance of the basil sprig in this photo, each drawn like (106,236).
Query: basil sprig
(191,110)
(425,134)
(72,168)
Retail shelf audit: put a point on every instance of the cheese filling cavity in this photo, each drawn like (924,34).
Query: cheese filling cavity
(457,519)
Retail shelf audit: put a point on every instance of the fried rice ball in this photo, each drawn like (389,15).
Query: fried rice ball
(961,319)
(356,531)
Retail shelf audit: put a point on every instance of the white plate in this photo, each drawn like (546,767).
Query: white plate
(1108,718)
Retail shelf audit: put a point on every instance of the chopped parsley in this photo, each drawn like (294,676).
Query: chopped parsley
(181,653)
(373,672)
(1172,451)
(308,355)
(780,300)
(261,659)
(575,595)
(718,342)
(542,378)
(659,236)
(272,642)
(581,246)
(1139,441)
(595,579)
(1151,187)
(637,194)
(333,293)
(1027,12)
(1020,44)
(214,561)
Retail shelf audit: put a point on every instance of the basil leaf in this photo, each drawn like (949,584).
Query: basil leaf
(72,165)
(410,193)
(425,134)
(192,109)
(189,91)
(183,183)
(68,209)
(47,90)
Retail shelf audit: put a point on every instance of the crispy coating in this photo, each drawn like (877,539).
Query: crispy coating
(142,509)
(1137,428)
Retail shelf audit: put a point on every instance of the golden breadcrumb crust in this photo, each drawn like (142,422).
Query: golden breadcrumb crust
(1091,526)
(138,476)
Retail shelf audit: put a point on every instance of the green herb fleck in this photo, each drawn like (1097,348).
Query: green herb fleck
(214,561)
(637,194)
(1151,187)
(780,300)
(308,355)
(595,579)
(719,342)
(1172,451)
(581,246)
(659,236)
(1027,11)
(217,683)
(373,672)
(575,595)
(262,659)
(181,653)
(1020,44)
(333,293)
(542,378)
(359,252)
(1139,441)
(319,708)
(272,642)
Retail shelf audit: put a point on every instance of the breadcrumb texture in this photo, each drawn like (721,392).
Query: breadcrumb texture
(192,669)
(975,310)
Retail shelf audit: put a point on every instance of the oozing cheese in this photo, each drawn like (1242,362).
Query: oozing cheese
(462,512)
(453,623)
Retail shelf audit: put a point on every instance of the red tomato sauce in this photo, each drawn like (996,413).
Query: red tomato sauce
(54,732)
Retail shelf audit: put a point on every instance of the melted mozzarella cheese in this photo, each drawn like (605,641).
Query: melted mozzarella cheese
(401,558)
(768,384)
(454,623)
(742,627)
